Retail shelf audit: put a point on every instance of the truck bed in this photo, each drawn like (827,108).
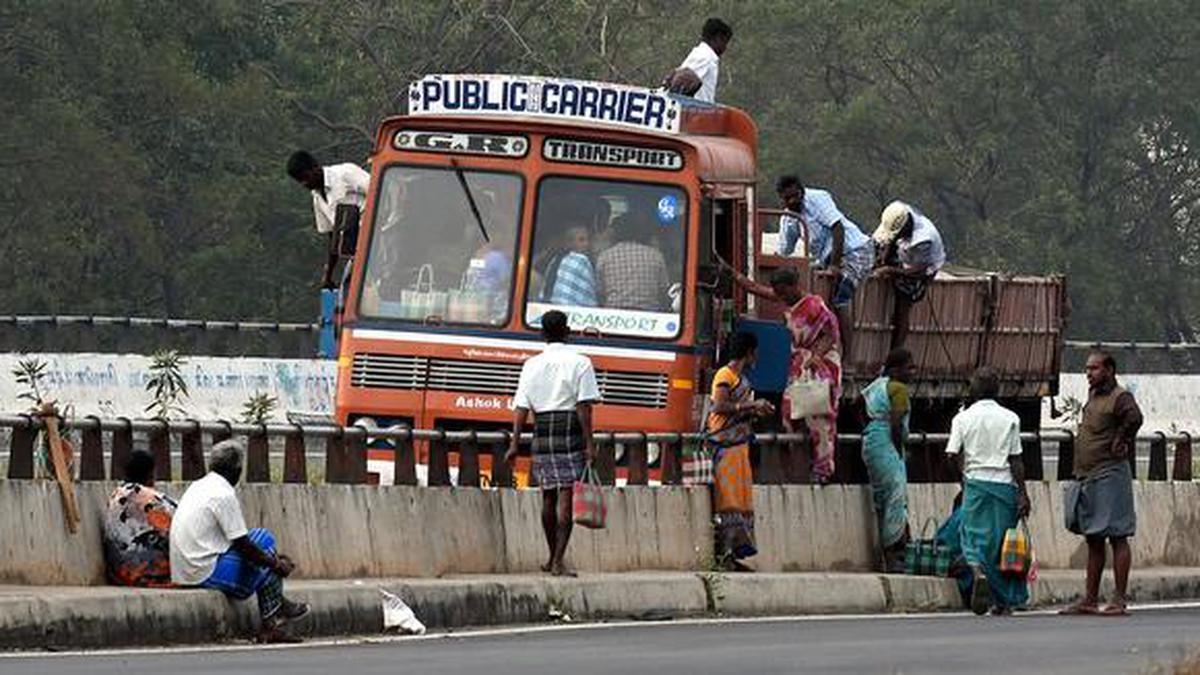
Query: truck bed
(969,318)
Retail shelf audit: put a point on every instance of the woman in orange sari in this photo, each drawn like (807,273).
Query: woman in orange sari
(730,424)
(816,355)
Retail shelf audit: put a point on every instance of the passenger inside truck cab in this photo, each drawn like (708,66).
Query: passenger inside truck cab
(570,275)
(633,273)
(430,261)
(627,237)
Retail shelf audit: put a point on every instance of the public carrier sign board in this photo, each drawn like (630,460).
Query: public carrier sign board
(549,99)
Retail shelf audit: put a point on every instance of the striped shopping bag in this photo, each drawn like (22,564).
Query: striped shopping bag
(926,555)
(588,502)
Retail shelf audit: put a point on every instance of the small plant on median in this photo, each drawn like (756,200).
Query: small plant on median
(30,373)
(166,384)
(258,408)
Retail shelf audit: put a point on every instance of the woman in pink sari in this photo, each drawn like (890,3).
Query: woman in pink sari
(816,355)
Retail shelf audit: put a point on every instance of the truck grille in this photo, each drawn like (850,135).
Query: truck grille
(387,371)
(642,390)
(474,376)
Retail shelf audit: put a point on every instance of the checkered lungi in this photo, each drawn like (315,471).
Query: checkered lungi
(557,449)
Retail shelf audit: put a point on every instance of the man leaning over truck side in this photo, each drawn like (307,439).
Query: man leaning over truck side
(331,186)
(910,252)
(834,243)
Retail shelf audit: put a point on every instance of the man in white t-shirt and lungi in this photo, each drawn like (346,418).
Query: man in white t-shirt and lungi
(559,387)
(211,547)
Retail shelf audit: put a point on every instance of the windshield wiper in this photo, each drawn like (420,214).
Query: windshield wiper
(462,180)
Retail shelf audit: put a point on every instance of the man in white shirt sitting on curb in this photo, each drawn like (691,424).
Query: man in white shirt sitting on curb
(986,440)
(559,387)
(212,548)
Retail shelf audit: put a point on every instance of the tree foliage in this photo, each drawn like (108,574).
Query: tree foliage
(143,141)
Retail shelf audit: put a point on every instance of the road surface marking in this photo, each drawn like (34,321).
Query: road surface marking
(539,629)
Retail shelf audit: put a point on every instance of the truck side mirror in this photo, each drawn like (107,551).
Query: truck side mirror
(346,226)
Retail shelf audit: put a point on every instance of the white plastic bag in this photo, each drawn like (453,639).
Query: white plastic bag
(398,615)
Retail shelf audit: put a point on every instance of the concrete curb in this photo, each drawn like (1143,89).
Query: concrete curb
(95,617)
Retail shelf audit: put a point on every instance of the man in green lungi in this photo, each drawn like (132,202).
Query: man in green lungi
(986,440)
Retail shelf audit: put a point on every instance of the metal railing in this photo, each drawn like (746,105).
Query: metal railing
(782,458)
(294,327)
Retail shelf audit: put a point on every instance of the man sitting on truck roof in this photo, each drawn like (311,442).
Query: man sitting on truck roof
(834,243)
(911,253)
(331,187)
(704,62)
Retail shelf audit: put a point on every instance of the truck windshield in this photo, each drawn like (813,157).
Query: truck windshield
(610,255)
(428,260)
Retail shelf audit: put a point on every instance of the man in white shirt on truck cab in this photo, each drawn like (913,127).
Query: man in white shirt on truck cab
(704,61)
(331,186)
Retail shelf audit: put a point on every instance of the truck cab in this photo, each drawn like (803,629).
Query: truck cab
(499,197)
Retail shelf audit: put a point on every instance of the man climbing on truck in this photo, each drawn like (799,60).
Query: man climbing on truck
(331,186)
(834,243)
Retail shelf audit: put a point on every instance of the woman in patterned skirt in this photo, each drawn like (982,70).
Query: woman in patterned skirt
(730,425)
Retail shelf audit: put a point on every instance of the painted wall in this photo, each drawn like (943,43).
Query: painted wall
(1169,402)
(114,385)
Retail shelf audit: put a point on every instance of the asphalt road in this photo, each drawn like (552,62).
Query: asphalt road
(932,644)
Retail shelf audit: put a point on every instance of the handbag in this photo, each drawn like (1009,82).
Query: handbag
(420,301)
(1016,554)
(927,556)
(588,503)
(808,398)
(698,465)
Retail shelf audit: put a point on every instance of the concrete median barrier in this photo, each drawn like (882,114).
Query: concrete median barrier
(344,532)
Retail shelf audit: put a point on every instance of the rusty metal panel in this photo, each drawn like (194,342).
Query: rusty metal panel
(967,319)
(1027,331)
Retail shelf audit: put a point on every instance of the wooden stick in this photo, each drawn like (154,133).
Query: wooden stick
(62,473)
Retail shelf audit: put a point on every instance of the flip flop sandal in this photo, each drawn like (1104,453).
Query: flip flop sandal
(981,592)
(1115,610)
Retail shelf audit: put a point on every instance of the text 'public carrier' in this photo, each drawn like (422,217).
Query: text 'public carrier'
(549,98)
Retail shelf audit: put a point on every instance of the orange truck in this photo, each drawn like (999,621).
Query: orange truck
(499,197)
